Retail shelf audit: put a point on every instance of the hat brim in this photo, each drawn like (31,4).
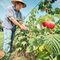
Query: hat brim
(24,5)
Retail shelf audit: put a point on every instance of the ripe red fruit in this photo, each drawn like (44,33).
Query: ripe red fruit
(47,24)
(51,25)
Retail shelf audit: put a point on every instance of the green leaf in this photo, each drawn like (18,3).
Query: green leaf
(52,44)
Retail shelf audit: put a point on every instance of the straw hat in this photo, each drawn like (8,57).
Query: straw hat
(21,1)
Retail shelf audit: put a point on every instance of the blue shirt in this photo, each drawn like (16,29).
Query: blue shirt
(11,12)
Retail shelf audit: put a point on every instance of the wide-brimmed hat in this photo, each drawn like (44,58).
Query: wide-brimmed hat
(21,1)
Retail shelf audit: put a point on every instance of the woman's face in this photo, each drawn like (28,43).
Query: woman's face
(19,6)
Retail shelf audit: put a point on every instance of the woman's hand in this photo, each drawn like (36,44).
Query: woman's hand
(23,27)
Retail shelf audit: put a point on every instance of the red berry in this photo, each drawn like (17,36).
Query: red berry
(45,24)
(52,25)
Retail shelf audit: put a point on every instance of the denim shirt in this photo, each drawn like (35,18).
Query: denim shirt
(11,12)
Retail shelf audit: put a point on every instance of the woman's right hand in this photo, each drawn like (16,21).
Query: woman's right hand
(23,27)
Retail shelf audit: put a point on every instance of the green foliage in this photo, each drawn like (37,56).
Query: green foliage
(57,10)
(44,44)
(47,17)
(46,5)
(53,44)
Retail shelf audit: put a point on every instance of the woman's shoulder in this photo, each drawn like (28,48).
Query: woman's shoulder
(9,7)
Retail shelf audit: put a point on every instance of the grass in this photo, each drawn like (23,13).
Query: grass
(1,40)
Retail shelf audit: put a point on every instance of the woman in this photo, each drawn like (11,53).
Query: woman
(13,18)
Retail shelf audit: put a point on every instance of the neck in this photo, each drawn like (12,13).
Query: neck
(16,9)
